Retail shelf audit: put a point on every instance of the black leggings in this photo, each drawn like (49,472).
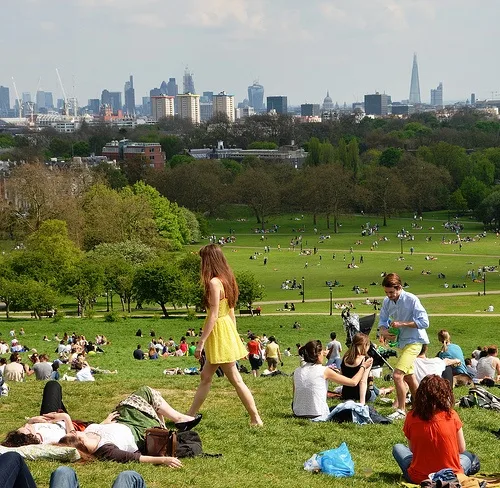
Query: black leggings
(52,398)
(448,375)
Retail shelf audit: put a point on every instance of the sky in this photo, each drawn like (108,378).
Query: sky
(296,48)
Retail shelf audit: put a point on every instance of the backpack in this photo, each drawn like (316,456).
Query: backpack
(479,397)
(189,445)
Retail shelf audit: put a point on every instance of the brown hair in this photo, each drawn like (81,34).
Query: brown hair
(433,395)
(391,280)
(72,441)
(359,347)
(16,439)
(310,352)
(492,350)
(214,265)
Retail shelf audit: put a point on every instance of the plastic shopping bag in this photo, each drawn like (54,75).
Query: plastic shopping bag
(337,462)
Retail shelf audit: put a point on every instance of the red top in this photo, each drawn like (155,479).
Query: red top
(253,347)
(434,444)
(183,347)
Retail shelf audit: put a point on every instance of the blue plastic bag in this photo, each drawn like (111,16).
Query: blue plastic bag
(337,462)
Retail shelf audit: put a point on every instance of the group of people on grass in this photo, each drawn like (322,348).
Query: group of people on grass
(433,428)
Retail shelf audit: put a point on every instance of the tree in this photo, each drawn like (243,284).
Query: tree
(171,145)
(135,168)
(36,296)
(250,290)
(390,157)
(458,202)
(474,191)
(489,210)
(110,175)
(158,282)
(84,281)
(10,292)
(313,152)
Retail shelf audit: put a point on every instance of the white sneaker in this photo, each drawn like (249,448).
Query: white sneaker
(397,415)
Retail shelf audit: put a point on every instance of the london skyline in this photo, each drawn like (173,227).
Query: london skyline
(293,50)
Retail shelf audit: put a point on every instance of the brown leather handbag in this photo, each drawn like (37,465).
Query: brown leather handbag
(160,442)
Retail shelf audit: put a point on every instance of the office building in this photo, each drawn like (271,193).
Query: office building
(125,149)
(188,82)
(129,97)
(398,108)
(377,104)
(146,106)
(113,99)
(415,83)
(93,106)
(163,88)
(256,97)
(162,106)
(277,104)
(44,102)
(207,97)
(206,111)
(189,107)
(309,109)
(473,99)
(437,96)
(224,104)
(172,88)
(4,101)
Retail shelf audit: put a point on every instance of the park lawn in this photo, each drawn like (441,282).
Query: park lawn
(251,457)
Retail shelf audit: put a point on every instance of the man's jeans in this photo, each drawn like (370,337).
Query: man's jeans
(64,477)
(14,472)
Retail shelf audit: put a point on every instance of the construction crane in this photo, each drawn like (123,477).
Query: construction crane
(19,101)
(66,108)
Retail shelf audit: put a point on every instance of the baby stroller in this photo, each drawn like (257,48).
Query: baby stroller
(353,324)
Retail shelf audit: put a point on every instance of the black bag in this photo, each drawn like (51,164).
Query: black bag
(188,444)
(479,397)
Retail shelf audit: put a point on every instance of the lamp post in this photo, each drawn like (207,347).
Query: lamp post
(484,280)
(331,300)
(303,290)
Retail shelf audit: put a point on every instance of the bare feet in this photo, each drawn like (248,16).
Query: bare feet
(256,422)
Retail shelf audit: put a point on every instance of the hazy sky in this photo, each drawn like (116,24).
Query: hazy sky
(297,48)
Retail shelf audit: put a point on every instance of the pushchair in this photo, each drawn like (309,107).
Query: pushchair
(354,324)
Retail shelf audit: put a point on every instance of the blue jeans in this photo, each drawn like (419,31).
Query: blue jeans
(404,456)
(14,473)
(64,477)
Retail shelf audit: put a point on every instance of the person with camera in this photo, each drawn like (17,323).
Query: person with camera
(403,315)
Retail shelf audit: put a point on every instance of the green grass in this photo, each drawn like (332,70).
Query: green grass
(274,455)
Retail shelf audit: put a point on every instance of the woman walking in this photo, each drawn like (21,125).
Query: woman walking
(220,339)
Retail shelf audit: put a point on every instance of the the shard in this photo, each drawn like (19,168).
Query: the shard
(415,84)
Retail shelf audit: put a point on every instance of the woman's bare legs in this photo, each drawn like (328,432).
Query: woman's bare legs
(235,379)
(166,410)
(207,374)
(363,386)
(246,397)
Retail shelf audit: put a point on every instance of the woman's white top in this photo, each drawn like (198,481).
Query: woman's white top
(50,432)
(486,368)
(309,399)
(118,434)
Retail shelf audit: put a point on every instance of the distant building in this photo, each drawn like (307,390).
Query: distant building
(310,110)
(172,88)
(94,105)
(162,106)
(256,97)
(146,106)
(472,98)
(189,107)
(244,112)
(125,149)
(402,109)
(207,97)
(278,104)
(224,104)
(414,83)
(377,104)
(206,111)
(188,82)
(328,102)
(113,99)
(4,101)
(129,97)
(437,96)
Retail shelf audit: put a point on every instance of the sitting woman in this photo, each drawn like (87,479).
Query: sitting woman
(434,432)
(121,436)
(310,381)
(453,351)
(364,391)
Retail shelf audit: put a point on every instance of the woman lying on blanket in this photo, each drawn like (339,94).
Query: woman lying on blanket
(121,436)
(47,427)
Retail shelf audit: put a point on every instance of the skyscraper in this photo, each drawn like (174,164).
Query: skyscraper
(4,101)
(189,107)
(224,104)
(256,97)
(172,88)
(130,97)
(415,84)
(437,96)
(188,82)
(162,106)
(377,104)
(278,104)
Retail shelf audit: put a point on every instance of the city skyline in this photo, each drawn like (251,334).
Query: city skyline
(301,52)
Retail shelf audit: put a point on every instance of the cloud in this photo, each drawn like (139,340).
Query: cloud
(48,26)
(152,20)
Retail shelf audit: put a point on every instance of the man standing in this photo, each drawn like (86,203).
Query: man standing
(404,312)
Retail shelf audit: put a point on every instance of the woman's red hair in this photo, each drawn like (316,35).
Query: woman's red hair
(433,395)
(214,265)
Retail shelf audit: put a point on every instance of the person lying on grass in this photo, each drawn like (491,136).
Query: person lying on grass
(310,381)
(121,436)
